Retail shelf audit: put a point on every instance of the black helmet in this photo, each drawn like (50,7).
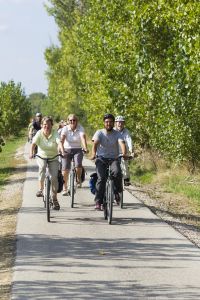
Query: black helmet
(109,116)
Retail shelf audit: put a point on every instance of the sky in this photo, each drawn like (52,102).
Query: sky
(26,30)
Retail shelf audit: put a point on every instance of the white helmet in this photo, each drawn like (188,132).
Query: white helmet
(38,115)
(119,119)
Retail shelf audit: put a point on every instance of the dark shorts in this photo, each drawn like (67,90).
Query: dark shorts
(78,158)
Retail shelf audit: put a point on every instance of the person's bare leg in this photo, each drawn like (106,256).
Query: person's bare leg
(65,178)
(78,173)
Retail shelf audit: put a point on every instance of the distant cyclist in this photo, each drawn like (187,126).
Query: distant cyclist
(73,139)
(36,125)
(61,124)
(106,144)
(48,142)
(30,126)
(120,126)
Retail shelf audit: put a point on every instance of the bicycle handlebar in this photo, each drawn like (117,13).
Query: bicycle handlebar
(48,158)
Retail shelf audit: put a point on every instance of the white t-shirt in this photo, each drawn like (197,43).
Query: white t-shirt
(72,138)
(127,138)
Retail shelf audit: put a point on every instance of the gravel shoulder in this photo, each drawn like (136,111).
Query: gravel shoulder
(10,203)
(177,211)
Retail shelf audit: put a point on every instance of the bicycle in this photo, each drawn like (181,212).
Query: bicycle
(72,178)
(109,195)
(47,197)
(121,195)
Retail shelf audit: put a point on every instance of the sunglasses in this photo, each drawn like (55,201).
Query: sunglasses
(72,120)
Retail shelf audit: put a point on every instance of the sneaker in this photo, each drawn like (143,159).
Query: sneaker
(97,206)
(127,182)
(117,199)
(78,185)
(65,193)
(56,204)
(39,193)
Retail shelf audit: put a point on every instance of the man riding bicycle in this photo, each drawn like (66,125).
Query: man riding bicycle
(106,144)
(35,126)
(120,126)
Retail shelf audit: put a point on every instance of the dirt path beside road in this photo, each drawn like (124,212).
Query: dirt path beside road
(10,202)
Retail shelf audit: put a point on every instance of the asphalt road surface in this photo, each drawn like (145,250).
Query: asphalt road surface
(79,256)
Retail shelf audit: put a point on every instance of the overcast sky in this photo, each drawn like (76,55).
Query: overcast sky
(25,31)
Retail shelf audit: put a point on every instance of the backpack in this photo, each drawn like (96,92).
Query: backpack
(92,183)
(60,181)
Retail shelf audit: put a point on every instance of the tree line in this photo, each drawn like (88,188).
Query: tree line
(14,109)
(135,58)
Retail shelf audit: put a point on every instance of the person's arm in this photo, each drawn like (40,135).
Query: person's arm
(123,147)
(129,142)
(94,149)
(32,150)
(84,142)
(61,148)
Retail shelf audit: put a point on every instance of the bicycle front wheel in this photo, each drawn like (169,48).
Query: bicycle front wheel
(121,198)
(72,177)
(47,196)
(110,199)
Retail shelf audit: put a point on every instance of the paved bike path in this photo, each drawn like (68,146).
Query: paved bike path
(79,256)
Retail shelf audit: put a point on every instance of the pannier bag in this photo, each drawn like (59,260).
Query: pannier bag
(83,174)
(92,183)
(60,181)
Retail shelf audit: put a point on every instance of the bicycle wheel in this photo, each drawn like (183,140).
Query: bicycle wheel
(121,199)
(105,208)
(72,177)
(47,196)
(110,199)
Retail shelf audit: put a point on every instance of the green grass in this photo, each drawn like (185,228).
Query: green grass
(177,181)
(7,157)
(177,184)
(141,175)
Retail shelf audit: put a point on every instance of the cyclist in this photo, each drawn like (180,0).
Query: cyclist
(72,137)
(106,144)
(120,126)
(36,125)
(61,124)
(48,142)
(30,125)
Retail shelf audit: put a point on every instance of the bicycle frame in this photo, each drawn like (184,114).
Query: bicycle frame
(72,177)
(109,195)
(121,196)
(47,197)
(109,192)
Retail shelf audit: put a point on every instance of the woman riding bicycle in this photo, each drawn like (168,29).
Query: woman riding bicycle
(48,142)
(73,139)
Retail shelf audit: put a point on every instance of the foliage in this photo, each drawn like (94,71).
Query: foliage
(36,101)
(137,58)
(14,109)
(2,143)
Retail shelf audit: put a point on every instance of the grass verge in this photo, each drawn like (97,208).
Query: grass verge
(175,189)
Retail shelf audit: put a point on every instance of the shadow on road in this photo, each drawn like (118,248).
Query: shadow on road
(86,255)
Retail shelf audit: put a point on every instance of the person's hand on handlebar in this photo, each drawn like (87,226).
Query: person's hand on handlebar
(31,155)
(85,150)
(93,157)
